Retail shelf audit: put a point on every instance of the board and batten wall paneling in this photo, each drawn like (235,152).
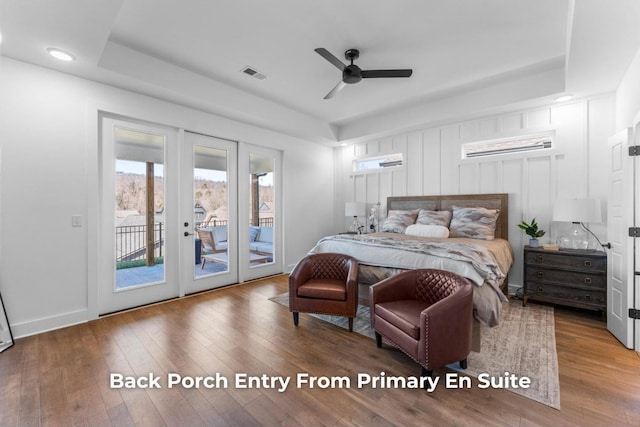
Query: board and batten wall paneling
(415,170)
(489,174)
(467,178)
(431,168)
(597,173)
(400,180)
(449,159)
(534,180)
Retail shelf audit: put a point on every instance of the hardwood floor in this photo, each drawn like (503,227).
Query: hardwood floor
(63,377)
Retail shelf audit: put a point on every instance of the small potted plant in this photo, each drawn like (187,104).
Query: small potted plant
(532,231)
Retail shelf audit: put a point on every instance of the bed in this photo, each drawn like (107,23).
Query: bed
(484,258)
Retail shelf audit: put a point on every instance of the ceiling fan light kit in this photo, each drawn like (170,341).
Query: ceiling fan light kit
(352,74)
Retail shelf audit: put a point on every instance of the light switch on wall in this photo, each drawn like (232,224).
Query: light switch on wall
(76,220)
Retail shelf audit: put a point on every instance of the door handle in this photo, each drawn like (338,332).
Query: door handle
(187,234)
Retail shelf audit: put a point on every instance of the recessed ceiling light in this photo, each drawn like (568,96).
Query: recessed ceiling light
(60,54)
(564,98)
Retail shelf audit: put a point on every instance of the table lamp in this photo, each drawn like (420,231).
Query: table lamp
(577,212)
(354,209)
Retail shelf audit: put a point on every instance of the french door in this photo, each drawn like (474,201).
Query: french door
(260,212)
(182,213)
(209,221)
(138,216)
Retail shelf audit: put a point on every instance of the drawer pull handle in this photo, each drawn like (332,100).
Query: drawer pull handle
(587,263)
(540,258)
(587,280)
(539,288)
(587,297)
(540,274)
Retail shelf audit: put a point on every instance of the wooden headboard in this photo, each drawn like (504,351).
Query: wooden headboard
(444,202)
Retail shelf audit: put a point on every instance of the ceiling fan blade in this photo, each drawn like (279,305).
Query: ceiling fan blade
(369,74)
(335,90)
(329,57)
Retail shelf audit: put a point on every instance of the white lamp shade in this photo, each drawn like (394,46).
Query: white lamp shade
(354,209)
(577,210)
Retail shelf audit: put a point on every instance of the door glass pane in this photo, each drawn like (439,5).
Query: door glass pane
(139,208)
(261,210)
(210,210)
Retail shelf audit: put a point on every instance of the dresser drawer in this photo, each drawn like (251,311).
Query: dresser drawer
(597,281)
(573,262)
(561,294)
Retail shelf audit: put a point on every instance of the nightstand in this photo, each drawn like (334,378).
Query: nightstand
(566,277)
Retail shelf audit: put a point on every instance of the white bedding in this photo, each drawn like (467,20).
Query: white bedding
(484,263)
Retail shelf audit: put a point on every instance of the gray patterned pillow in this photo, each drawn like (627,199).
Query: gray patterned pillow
(426,217)
(397,221)
(476,223)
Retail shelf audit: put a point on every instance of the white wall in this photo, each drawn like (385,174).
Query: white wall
(628,96)
(575,167)
(48,131)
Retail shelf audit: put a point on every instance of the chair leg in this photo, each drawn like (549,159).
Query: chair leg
(378,340)
(296,318)
(426,372)
(350,324)
(463,363)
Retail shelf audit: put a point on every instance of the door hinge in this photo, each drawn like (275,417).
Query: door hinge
(634,231)
(634,314)
(634,150)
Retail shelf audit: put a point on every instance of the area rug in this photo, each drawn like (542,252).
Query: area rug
(524,344)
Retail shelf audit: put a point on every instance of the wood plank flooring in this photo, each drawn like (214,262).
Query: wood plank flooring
(61,378)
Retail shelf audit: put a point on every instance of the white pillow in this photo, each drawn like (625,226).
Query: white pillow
(424,230)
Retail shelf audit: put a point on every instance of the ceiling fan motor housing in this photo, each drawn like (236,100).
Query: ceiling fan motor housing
(351,74)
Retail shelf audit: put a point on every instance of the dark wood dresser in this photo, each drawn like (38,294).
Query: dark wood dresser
(566,277)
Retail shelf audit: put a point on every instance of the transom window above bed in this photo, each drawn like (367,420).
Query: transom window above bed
(506,146)
(377,163)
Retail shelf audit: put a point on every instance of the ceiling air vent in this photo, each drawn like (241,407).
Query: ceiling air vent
(254,73)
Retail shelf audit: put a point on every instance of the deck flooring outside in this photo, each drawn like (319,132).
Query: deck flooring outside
(134,276)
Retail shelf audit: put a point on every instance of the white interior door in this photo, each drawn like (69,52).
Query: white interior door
(620,217)
(209,224)
(138,222)
(633,290)
(260,212)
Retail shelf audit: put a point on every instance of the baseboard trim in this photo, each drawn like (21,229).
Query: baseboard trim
(45,324)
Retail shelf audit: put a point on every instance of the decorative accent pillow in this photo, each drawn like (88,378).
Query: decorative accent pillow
(397,221)
(424,230)
(253,233)
(434,217)
(476,223)
(220,234)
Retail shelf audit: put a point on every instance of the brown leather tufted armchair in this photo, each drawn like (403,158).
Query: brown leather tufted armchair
(325,283)
(426,313)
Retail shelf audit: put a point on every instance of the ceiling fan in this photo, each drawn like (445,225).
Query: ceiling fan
(352,73)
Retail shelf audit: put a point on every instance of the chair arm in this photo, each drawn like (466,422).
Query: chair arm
(352,277)
(301,273)
(446,328)
(398,287)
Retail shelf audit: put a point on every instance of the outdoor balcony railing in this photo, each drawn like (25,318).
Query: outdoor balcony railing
(131,239)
